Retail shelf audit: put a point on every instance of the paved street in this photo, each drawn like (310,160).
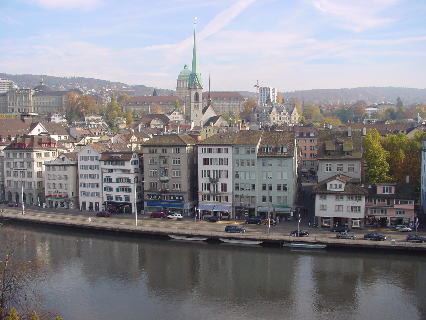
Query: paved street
(283,228)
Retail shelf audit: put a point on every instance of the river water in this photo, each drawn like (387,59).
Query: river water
(95,276)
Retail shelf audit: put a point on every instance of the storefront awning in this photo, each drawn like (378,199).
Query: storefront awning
(214,207)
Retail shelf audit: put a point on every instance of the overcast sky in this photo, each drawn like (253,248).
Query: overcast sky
(288,44)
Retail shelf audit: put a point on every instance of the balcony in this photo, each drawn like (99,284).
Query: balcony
(164,178)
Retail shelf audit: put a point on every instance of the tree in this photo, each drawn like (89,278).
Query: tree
(376,158)
(35,316)
(333,121)
(154,93)
(129,116)
(123,98)
(312,113)
(77,106)
(13,315)
(157,109)
(249,105)
(279,99)
(113,111)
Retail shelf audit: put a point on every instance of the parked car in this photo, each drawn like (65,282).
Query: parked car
(415,238)
(273,222)
(234,229)
(399,226)
(374,236)
(175,216)
(345,235)
(159,214)
(12,204)
(405,229)
(300,233)
(340,229)
(212,219)
(254,220)
(104,214)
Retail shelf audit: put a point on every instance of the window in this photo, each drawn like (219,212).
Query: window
(339,197)
(387,189)
(351,168)
(339,167)
(338,208)
(176,161)
(264,186)
(176,186)
(223,187)
(176,173)
(354,209)
(323,197)
(323,207)
(263,198)
(400,212)
(328,167)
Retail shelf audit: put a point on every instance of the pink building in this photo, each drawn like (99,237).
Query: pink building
(306,139)
(390,204)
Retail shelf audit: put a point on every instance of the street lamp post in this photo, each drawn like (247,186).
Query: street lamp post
(135,209)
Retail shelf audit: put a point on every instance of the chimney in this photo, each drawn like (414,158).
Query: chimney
(364,131)
(349,132)
(407,179)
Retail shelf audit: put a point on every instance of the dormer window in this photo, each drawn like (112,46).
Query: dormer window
(387,189)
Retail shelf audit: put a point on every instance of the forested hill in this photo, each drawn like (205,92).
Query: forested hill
(350,95)
(86,84)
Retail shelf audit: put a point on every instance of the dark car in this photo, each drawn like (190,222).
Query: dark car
(374,236)
(415,238)
(103,214)
(340,229)
(212,219)
(300,233)
(12,204)
(345,235)
(234,229)
(158,215)
(254,220)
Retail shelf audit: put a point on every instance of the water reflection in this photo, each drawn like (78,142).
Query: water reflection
(104,277)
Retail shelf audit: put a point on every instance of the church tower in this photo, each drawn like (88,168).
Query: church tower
(195,89)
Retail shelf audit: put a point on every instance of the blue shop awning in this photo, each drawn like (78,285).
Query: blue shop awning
(208,207)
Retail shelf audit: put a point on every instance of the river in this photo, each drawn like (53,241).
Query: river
(96,276)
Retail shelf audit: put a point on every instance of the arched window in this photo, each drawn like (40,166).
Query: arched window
(196,97)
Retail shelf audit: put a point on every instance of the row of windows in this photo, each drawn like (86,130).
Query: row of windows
(214,150)
(28,184)
(214,187)
(339,208)
(89,176)
(164,150)
(56,176)
(164,186)
(89,194)
(339,167)
(46,154)
(89,158)
(124,198)
(341,197)
(215,161)
(57,186)
(56,168)
(93,185)
(89,167)
(214,174)
(214,198)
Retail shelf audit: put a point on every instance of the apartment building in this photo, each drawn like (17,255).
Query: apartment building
(24,168)
(339,153)
(61,181)
(390,204)
(122,177)
(90,177)
(339,201)
(307,140)
(247,173)
(170,174)
(267,95)
(276,173)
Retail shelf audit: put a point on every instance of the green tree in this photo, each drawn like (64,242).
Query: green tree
(13,315)
(376,158)
(312,113)
(113,111)
(35,316)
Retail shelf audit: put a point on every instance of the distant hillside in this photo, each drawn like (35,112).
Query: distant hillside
(85,84)
(368,94)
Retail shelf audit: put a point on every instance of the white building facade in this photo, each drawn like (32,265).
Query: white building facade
(267,95)
(61,189)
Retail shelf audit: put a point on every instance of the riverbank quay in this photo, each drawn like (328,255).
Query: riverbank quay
(213,231)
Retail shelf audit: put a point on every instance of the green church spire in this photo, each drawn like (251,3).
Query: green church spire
(195,76)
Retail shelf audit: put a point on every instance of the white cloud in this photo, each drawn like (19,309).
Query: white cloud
(68,4)
(357,15)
